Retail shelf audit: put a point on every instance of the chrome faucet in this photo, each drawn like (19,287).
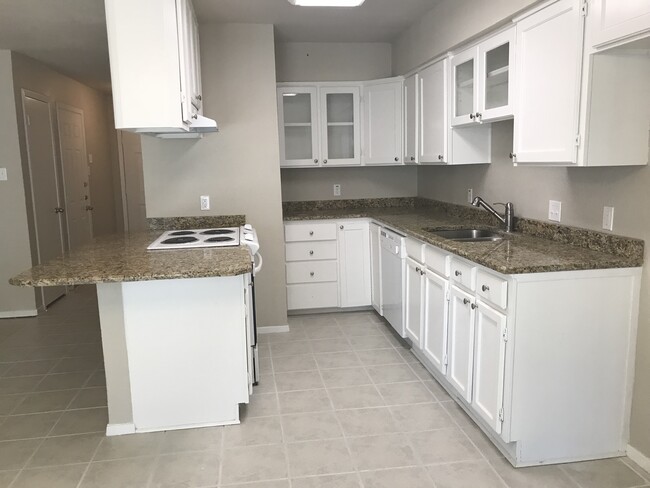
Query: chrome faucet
(507,219)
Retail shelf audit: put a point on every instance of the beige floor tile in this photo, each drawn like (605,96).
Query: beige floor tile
(29,368)
(302,362)
(319,319)
(391,373)
(69,365)
(15,454)
(408,356)
(363,343)
(186,470)
(82,421)
(367,421)
(482,442)
(260,405)
(351,318)
(331,345)
(438,391)
(465,475)
(319,458)
(254,432)
(379,356)
(294,334)
(249,464)
(443,446)
(98,378)
(48,401)
(9,402)
(205,439)
(341,377)
(129,446)
(264,350)
(52,477)
(20,384)
(310,426)
(266,384)
(355,397)
(421,371)
(421,416)
(458,414)
(90,397)
(298,380)
(604,473)
(63,381)
(304,401)
(28,426)
(329,360)
(73,449)
(363,329)
(639,470)
(262,484)
(290,348)
(404,393)
(399,477)
(536,477)
(123,473)
(383,451)
(7,477)
(350,480)
(323,332)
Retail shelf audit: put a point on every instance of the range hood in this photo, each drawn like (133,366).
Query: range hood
(199,126)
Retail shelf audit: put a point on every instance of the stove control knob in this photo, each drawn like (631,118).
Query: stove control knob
(248,227)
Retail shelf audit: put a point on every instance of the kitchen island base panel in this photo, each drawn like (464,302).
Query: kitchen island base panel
(175,352)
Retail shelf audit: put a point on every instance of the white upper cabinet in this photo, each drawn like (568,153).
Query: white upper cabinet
(618,20)
(482,85)
(155,67)
(411,120)
(433,114)
(382,122)
(298,124)
(340,126)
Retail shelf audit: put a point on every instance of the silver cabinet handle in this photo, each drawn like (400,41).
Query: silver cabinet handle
(474,306)
(465,301)
(458,273)
(311,253)
(485,288)
(311,232)
(311,274)
(59,210)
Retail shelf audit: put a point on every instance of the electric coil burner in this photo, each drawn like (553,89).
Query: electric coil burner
(197,238)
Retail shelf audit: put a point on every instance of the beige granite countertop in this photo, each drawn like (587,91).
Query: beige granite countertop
(541,247)
(120,258)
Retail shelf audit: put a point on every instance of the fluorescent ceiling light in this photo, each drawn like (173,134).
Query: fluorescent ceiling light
(327,3)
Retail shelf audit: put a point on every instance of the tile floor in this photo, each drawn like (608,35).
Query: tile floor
(341,404)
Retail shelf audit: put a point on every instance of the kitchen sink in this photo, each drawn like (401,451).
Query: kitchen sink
(466,235)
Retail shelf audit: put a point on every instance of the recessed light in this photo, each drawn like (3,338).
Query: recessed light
(327,3)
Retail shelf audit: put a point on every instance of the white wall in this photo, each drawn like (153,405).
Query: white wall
(239,166)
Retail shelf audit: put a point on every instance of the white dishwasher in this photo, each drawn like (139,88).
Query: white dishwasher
(392,279)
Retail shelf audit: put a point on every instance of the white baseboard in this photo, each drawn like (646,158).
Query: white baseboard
(638,457)
(273,329)
(14,314)
(119,429)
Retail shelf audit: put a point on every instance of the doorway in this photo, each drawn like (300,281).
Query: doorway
(133,201)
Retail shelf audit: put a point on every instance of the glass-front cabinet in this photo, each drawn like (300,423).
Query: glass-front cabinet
(340,129)
(299,127)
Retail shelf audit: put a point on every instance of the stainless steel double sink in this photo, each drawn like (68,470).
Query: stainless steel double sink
(466,235)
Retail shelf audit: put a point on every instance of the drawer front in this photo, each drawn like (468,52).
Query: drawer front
(414,249)
(309,251)
(312,272)
(437,260)
(312,295)
(492,289)
(310,231)
(463,274)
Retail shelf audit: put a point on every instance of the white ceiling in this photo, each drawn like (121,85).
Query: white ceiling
(70,35)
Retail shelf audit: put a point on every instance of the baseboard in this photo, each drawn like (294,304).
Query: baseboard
(14,314)
(119,429)
(273,329)
(638,457)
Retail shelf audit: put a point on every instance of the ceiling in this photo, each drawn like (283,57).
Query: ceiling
(70,35)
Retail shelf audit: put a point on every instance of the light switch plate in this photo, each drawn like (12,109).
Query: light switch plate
(554,210)
(337,190)
(608,218)
(470,195)
(205,202)
(3,174)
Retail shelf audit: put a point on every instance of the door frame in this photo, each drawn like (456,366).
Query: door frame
(120,159)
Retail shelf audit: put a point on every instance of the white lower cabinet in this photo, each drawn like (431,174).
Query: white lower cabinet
(435,319)
(375,269)
(354,263)
(461,341)
(413,306)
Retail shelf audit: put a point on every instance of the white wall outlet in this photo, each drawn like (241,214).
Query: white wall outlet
(3,174)
(554,210)
(470,195)
(205,202)
(608,218)
(337,190)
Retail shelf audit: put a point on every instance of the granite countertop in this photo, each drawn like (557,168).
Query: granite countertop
(535,247)
(124,257)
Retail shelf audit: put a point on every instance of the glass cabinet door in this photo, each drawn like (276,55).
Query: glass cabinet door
(496,56)
(298,111)
(465,89)
(341,127)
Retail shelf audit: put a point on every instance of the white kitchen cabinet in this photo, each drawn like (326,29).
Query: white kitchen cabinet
(299,126)
(411,120)
(190,59)
(617,20)
(382,122)
(460,346)
(375,268)
(414,302)
(433,132)
(435,320)
(354,263)
(340,125)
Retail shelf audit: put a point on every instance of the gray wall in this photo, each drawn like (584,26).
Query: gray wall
(583,191)
(239,166)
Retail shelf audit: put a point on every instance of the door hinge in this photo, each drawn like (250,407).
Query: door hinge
(505,334)
(501,415)
(578,140)
(584,8)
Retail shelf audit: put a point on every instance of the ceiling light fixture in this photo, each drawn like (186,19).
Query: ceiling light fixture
(327,3)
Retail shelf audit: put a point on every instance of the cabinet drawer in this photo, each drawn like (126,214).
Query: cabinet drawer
(437,260)
(415,249)
(492,289)
(312,231)
(312,272)
(463,274)
(308,251)
(312,295)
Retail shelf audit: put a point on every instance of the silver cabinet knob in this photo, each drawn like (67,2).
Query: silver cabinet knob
(59,210)
(90,208)
(465,301)
(311,253)
(485,288)
(417,270)
(412,158)
(422,272)
(472,116)
(315,161)
(324,161)
(479,115)
(311,273)
(311,232)
(458,273)
(513,155)
(396,160)
(199,97)
(440,157)
(341,227)
(195,116)
(474,306)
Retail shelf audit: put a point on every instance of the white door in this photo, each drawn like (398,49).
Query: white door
(382,130)
(434,120)
(496,90)
(436,315)
(340,126)
(465,89)
(135,212)
(548,67)
(410,120)
(44,186)
(489,365)
(354,264)
(618,19)
(375,268)
(461,341)
(76,185)
(298,124)
(414,302)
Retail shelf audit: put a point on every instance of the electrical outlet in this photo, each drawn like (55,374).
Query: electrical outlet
(337,190)
(205,202)
(608,218)
(470,195)
(554,210)
(3,174)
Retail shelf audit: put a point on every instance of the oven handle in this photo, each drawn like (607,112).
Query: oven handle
(258,268)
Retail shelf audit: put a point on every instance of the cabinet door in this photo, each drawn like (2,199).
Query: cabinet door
(436,314)
(461,342)
(354,264)
(496,60)
(414,302)
(618,19)
(382,130)
(434,122)
(187,60)
(298,124)
(375,268)
(548,68)
(410,120)
(489,365)
(340,126)
(465,90)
